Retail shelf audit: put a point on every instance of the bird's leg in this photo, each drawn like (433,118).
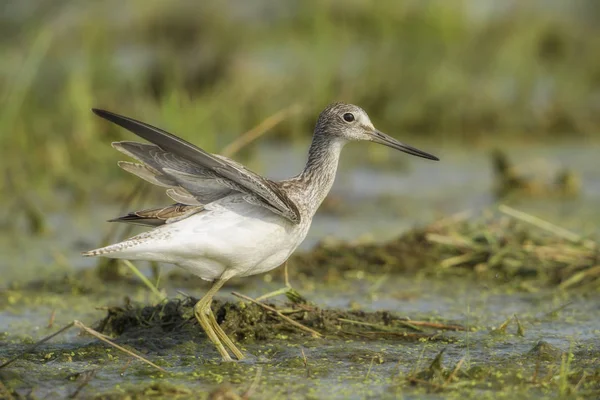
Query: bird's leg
(286,278)
(223,336)
(203,311)
(282,290)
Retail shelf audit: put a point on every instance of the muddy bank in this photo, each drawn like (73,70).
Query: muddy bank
(250,323)
(550,348)
(518,249)
(378,359)
(494,274)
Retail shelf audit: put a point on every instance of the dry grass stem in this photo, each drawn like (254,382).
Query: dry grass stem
(116,346)
(259,130)
(280,315)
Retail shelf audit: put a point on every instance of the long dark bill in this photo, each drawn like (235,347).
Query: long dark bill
(386,140)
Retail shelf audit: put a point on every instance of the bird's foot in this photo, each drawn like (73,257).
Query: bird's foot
(203,314)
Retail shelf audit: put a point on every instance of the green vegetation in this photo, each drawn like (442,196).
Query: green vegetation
(498,304)
(547,272)
(491,247)
(211,71)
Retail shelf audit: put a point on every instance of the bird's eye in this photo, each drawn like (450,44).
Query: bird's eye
(348,117)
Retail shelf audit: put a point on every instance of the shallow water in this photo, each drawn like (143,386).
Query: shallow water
(365,202)
(375,202)
(337,368)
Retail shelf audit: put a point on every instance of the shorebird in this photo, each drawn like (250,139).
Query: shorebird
(227,220)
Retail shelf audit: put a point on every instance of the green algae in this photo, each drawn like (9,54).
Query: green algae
(382,368)
(550,348)
(348,363)
(545,351)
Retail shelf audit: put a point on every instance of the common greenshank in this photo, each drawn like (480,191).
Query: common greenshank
(228,221)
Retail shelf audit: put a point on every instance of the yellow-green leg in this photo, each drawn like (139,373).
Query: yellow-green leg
(223,336)
(207,320)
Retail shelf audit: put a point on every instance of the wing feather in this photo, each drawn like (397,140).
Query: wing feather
(147,174)
(159,216)
(191,159)
(169,170)
(181,195)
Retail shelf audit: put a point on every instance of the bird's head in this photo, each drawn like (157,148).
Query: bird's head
(351,123)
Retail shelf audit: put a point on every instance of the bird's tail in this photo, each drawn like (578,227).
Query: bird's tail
(103,251)
(117,249)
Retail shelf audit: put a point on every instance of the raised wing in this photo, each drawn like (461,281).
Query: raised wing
(200,166)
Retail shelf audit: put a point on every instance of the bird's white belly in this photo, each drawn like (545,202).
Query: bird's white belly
(236,239)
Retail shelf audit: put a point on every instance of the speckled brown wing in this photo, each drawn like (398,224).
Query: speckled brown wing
(160,216)
(198,163)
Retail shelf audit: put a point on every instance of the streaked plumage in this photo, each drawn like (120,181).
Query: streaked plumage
(160,216)
(229,221)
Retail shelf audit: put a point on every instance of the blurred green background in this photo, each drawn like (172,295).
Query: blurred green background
(467,72)
(211,70)
(505,92)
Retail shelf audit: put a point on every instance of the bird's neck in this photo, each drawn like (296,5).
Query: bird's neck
(321,167)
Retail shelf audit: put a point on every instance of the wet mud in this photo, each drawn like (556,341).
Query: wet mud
(467,307)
